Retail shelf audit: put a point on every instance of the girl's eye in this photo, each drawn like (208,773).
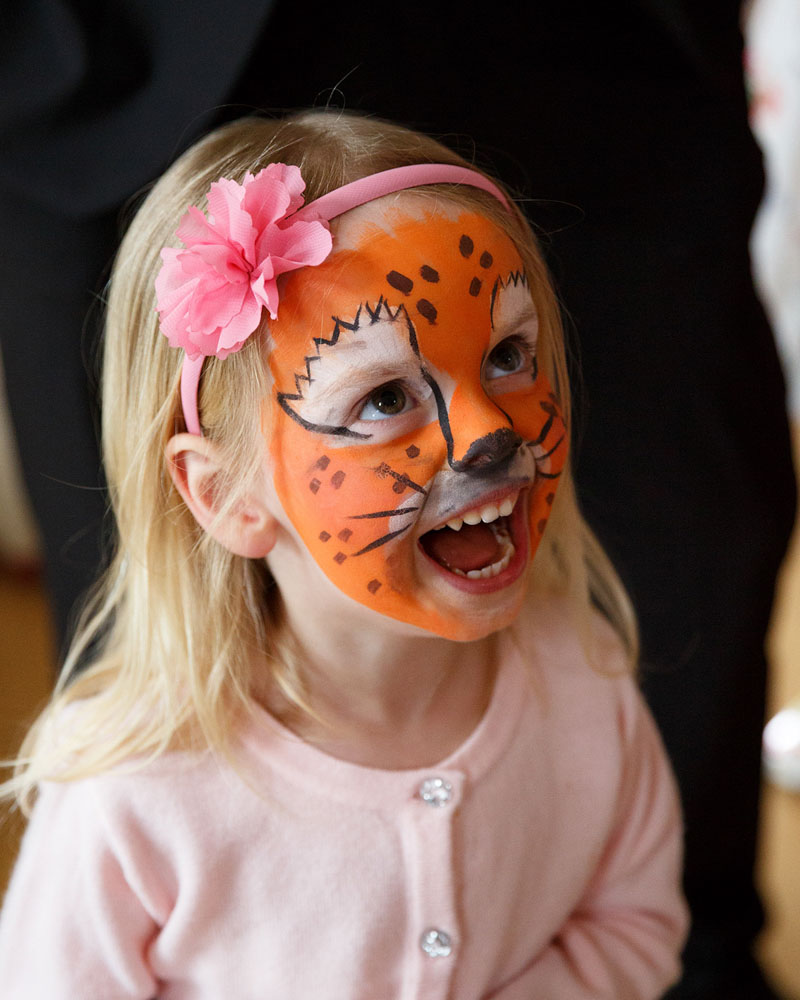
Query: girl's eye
(507,358)
(386,401)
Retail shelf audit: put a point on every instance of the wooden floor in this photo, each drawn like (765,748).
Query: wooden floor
(26,659)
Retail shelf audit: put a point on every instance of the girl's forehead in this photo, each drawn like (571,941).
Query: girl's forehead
(438,264)
(414,226)
(386,213)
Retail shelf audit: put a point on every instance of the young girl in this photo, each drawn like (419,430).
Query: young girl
(360,719)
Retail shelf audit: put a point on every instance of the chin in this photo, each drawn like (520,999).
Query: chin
(477,616)
(470,628)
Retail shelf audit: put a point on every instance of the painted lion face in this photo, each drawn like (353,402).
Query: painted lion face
(415,444)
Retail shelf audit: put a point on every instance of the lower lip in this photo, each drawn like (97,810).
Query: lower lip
(518,523)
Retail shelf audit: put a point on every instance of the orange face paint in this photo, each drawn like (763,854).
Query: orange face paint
(407,393)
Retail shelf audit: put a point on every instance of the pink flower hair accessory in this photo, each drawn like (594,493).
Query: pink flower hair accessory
(211,292)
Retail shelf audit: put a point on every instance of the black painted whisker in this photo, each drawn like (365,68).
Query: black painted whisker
(545,430)
(384,513)
(547,454)
(382,541)
(386,470)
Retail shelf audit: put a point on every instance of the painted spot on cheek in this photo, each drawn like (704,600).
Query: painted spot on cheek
(374,586)
(475,287)
(322,463)
(429,273)
(337,479)
(466,246)
(324,536)
(344,535)
(412,451)
(339,558)
(486,259)
(314,485)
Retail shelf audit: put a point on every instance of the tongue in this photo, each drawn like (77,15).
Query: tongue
(471,548)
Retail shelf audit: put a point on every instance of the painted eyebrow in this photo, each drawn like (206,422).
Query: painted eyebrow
(526,314)
(353,384)
(367,377)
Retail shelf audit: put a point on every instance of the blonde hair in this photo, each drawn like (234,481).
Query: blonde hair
(171,629)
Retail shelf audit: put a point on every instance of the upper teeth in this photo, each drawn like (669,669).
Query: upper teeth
(488,513)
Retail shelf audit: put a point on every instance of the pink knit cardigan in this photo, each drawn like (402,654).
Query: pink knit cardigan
(540,861)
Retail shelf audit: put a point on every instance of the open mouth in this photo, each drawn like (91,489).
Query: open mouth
(477,545)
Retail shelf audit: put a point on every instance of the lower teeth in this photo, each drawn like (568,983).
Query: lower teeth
(496,567)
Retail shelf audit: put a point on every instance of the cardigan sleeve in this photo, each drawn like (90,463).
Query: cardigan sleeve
(71,925)
(623,940)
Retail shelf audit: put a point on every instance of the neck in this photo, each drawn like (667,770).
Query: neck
(383,697)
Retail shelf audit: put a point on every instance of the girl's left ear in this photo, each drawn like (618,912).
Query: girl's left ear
(246,528)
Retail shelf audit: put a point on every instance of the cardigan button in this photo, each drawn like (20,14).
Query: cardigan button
(435,943)
(436,792)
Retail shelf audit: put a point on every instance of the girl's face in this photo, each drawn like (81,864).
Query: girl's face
(415,444)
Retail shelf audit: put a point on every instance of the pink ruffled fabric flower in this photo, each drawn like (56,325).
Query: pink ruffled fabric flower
(211,292)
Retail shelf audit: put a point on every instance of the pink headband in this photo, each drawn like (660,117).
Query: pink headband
(211,293)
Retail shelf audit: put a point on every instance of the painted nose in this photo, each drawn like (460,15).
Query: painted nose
(482,438)
(488,453)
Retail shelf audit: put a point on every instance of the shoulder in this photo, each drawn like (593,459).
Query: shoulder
(141,805)
(577,666)
(587,713)
(155,826)
(556,637)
